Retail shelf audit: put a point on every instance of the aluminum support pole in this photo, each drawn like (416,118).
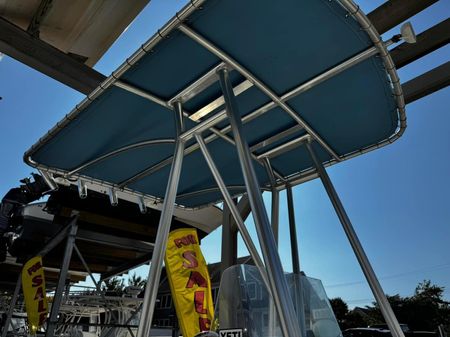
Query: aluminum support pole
(234,212)
(57,299)
(12,304)
(277,281)
(292,231)
(368,271)
(151,290)
(275,215)
(275,203)
(275,211)
(229,240)
(299,300)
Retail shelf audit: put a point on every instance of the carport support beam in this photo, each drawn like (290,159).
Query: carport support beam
(47,59)
(57,299)
(277,281)
(368,271)
(151,290)
(12,305)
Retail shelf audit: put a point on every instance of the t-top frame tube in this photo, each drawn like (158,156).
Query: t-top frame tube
(363,260)
(292,230)
(234,211)
(299,299)
(277,282)
(205,124)
(229,60)
(151,289)
(178,22)
(229,241)
(275,212)
(275,202)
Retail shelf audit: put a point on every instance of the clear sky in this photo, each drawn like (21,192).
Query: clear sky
(397,197)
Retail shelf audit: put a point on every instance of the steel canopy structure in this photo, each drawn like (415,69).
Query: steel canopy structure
(266,94)
(367,109)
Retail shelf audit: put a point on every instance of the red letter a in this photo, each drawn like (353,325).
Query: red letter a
(196,278)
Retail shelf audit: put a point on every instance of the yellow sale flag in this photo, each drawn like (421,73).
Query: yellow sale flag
(189,282)
(33,285)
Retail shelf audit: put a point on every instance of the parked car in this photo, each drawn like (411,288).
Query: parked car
(366,332)
(406,329)
(382,330)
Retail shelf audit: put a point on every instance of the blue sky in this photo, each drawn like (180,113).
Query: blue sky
(397,197)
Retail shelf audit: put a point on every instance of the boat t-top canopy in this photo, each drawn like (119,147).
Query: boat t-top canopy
(300,70)
(234,97)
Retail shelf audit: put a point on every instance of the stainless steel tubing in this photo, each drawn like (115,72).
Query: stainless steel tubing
(293,231)
(234,211)
(368,271)
(216,118)
(275,228)
(299,300)
(151,290)
(275,203)
(277,281)
(229,241)
(275,213)
(119,151)
(264,88)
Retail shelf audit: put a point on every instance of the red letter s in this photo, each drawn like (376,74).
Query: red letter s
(192,258)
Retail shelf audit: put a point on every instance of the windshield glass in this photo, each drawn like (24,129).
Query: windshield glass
(244,303)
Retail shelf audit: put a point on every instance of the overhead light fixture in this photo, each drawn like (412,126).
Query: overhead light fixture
(408,34)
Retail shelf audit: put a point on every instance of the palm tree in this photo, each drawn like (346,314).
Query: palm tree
(137,281)
(114,286)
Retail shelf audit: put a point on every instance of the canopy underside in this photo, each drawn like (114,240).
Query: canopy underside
(284,47)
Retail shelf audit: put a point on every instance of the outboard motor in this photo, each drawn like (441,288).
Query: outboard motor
(15,199)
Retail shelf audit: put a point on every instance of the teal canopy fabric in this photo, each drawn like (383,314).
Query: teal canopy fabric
(284,44)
